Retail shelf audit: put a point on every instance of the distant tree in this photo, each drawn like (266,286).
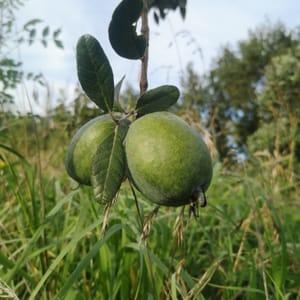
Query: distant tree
(279,103)
(11,39)
(228,94)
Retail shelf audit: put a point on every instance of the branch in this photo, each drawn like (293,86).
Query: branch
(145,59)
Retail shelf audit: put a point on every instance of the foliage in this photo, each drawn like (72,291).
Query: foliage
(244,244)
(11,39)
(163,6)
(227,95)
(96,78)
(279,109)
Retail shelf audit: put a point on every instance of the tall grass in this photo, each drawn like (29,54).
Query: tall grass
(244,245)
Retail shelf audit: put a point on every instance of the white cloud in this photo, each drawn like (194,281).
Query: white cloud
(211,23)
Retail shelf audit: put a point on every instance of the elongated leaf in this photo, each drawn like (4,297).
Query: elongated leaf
(122,31)
(46,31)
(32,22)
(86,261)
(94,72)
(55,263)
(117,104)
(157,99)
(13,151)
(108,169)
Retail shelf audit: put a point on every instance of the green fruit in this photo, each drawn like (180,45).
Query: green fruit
(83,147)
(167,159)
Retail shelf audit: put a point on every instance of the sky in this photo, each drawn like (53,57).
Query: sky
(173,44)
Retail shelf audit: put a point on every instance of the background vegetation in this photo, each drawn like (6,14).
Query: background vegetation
(244,245)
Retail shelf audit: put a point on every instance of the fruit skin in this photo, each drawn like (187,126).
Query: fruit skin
(167,159)
(83,147)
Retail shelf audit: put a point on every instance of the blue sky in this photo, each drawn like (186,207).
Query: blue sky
(210,23)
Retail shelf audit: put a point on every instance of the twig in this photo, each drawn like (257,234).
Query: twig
(137,205)
(145,59)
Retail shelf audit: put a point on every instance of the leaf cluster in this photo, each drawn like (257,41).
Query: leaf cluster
(97,80)
(11,39)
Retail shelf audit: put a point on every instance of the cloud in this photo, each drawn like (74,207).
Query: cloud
(209,24)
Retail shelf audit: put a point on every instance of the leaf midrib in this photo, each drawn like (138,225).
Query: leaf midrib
(94,64)
(110,160)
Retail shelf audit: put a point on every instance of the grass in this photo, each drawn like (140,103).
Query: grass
(244,245)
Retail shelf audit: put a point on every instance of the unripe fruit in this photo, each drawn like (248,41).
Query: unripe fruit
(167,159)
(83,147)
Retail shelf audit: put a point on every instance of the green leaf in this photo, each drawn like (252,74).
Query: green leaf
(13,151)
(46,31)
(117,104)
(68,248)
(59,44)
(157,99)
(95,73)
(85,262)
(122,30)
(56,33)
(108,169)
(32,23)
(44,42)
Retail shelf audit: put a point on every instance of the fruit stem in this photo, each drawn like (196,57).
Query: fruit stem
(126,116)
(145,59)
(112,116)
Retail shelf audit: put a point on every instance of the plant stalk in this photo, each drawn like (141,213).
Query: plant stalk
(145,59)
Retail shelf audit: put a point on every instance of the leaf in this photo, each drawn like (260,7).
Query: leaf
(58,259)
(32,23)
(108,168)
(12,151)
(32,34)
(58,44)
(117,104)
(46,31)
(122,30)
(157,99)
(44,42)
(95,73)
(84,263)
(56,33)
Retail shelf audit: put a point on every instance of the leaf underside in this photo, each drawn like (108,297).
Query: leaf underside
(108,168)
(117,104)
(122,31)
(94,72)
(157,99)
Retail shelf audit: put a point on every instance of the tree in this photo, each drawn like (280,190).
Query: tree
(279,103)
(11,73)
(230,89)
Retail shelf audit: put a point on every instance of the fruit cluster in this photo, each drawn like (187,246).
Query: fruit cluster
(161,155)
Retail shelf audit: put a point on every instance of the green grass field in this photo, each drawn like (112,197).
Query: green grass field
(244,245)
